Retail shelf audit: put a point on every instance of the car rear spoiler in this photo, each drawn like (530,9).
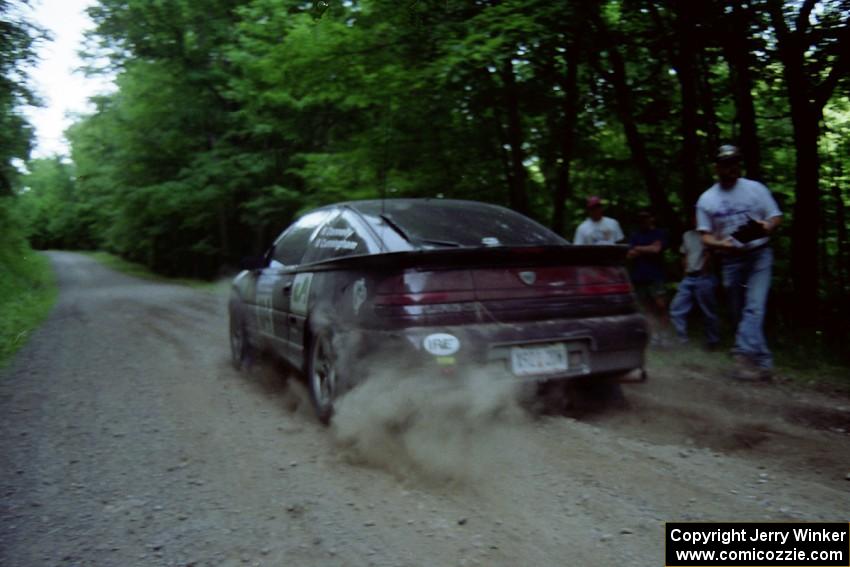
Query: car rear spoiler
(564,255)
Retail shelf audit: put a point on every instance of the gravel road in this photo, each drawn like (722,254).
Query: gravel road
(128,439)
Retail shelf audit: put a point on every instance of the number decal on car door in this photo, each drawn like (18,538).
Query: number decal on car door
(265,320)
(301,293)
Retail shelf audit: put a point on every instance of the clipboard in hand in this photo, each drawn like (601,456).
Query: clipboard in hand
(751,230)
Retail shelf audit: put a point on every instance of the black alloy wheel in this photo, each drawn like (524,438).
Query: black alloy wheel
(322,377)
(240,349)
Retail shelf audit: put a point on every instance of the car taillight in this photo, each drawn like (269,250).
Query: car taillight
(550,281)
(602,280)
(426,288)
(483,284)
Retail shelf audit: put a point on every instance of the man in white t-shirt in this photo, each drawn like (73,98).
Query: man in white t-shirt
(736,216)
(698,286)
(597,229)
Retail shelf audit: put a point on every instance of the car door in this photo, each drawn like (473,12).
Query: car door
(275,284)
(269,280)
(341,235)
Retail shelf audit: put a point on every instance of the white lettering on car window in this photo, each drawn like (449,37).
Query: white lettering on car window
(336,239)
(336,244)
(331,232)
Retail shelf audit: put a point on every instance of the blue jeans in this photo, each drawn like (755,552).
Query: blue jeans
(699,289)
(747,282)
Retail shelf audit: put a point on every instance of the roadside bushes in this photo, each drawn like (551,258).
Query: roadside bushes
(27,283)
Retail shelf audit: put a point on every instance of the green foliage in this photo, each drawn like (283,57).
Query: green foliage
(27,289)
(27,284)
(18,39)
(55,215)
(139,271)
(232,116)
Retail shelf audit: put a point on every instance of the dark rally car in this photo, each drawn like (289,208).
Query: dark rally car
(439,285)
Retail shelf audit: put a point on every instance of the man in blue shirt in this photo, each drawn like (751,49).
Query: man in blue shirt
(646,250)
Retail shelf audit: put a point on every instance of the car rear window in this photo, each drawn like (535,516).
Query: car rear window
(337,239)
(437,223)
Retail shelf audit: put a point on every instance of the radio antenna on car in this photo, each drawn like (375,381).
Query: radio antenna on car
(385,158)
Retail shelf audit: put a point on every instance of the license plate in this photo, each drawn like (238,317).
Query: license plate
(539,360)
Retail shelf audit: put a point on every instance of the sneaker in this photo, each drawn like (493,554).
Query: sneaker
(744,369)
(747,370)
(662,340)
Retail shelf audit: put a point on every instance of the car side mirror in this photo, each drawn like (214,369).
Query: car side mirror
(253,263)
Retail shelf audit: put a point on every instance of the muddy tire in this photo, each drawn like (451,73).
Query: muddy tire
(240,346)
(322,376)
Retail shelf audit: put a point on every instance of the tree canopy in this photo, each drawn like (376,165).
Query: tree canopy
(18,40)
(231,116)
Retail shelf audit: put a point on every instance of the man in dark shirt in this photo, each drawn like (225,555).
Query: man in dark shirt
(646,250)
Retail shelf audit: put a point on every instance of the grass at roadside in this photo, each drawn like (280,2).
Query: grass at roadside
(139,271)
(27,293)
(812,371)
(691,357)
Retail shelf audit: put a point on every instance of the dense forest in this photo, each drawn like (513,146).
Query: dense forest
(231,116)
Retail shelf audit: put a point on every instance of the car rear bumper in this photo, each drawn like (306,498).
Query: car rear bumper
(600,346)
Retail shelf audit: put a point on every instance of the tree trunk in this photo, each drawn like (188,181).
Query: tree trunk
(625,110)
(224,250)
(709,112)
(504,154)
(563,189)
(518,197)
(807,95)
(736,50)
(686,66)
(804,231)
(841,258)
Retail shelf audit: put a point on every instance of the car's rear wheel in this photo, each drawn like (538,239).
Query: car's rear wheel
(322,376)
(240,347)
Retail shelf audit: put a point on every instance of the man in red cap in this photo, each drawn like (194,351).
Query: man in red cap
(597,229)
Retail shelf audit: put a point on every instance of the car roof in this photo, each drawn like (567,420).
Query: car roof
(377,206)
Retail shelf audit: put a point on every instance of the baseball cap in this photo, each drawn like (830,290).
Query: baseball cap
(594,201)
(728,152)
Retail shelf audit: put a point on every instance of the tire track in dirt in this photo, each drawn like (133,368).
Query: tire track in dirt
(129,439)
